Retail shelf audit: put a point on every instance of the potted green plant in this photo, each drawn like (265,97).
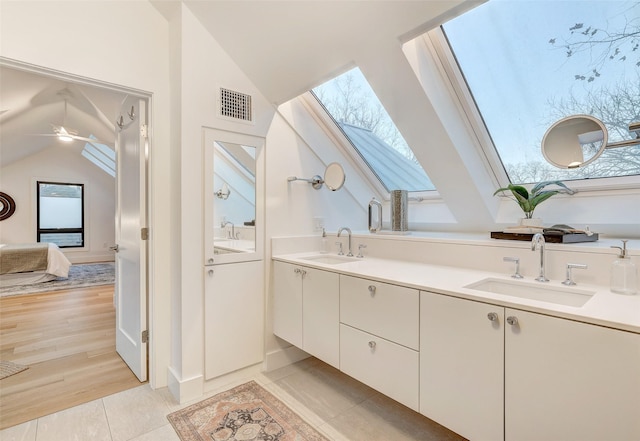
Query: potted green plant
(528,200)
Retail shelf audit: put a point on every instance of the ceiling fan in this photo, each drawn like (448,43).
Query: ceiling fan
(63,132)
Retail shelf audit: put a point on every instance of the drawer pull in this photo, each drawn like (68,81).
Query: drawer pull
(372,290)
(492,316)
(210,272)
(513,321)
(372,344)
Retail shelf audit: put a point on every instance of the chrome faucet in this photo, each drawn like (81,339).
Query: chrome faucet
(232,233)
(537,243)
(349,233)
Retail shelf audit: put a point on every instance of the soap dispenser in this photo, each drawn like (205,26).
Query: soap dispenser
(624,273)
(325,242)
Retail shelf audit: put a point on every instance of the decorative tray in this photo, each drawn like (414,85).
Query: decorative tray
(554,237)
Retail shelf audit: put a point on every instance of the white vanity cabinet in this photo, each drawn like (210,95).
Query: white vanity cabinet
(379,334)
(461,365)
(563,380)
(233,317)
(570,381)
(306,310)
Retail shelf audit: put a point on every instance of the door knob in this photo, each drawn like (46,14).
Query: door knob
(492,316)
(115,248)
(372,344)
(372,290)
(512,320)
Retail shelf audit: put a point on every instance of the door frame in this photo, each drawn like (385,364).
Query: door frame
(146,266)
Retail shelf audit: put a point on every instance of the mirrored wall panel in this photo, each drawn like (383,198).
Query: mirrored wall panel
(232,218)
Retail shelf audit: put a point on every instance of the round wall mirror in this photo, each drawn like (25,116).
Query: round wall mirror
(334,176)
(574,141)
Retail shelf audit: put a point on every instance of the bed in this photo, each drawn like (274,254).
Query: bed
(27,263)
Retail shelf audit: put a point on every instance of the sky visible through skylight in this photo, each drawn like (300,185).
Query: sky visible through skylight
(514,57)
(350,100)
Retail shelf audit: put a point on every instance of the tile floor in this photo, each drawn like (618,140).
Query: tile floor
(338,406)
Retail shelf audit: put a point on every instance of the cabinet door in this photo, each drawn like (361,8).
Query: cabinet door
(287,302)
(461,365)
(321,315)
(234,317)
(567,381)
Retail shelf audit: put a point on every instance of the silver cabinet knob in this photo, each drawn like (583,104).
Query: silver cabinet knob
(210,272)
(492,316)
(372,344)
(300,271)
(372,290)
(512,320)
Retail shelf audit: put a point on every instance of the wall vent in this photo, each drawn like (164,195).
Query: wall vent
(235,105)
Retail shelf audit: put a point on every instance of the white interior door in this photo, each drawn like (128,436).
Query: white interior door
(131,281)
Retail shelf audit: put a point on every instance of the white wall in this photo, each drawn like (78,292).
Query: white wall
(200,67)
(123,43)
(62,164)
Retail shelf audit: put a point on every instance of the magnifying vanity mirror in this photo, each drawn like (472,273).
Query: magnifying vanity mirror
(333,177)
(574,141)
(233,219)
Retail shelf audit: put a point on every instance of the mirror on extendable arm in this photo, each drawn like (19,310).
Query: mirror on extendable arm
(574,141)
(578,140)
(334,176)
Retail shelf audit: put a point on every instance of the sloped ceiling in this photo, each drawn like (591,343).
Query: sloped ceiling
(30,103)
(289,47)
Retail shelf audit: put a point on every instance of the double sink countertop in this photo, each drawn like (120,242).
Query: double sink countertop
(603,308)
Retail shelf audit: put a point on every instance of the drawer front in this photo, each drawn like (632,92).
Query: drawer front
(388,311)
(385,366)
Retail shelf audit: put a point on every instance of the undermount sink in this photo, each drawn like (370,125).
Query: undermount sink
(328,260)
(543,293)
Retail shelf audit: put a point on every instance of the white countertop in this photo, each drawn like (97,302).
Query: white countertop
(235,245)
(604,308)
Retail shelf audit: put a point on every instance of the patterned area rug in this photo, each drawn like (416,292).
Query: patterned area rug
(247,412)
(80,276)
(9,368)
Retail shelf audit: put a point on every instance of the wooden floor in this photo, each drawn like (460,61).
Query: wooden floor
(67,338)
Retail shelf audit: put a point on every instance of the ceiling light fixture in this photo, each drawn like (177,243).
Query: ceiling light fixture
(63,135)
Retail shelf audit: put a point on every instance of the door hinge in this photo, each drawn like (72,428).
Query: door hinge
(143,131)
(144,233)
(145,336)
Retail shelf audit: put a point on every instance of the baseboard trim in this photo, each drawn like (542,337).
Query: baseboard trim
(283,357)
(185,390)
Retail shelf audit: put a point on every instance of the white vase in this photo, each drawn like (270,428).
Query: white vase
(533,222)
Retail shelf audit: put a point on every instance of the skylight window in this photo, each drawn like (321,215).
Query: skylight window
(100,155)
(353,105)
(529,64)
